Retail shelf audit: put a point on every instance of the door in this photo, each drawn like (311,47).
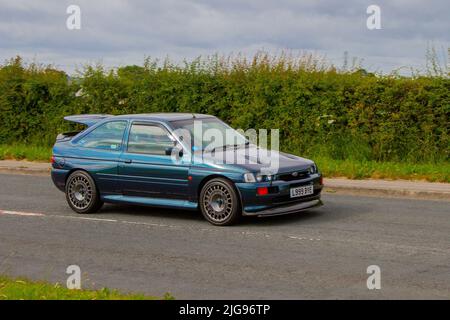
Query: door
(146,167)
(98,152)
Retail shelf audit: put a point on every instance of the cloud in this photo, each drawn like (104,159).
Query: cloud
(119,32)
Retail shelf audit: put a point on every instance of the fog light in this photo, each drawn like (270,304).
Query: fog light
(261,191)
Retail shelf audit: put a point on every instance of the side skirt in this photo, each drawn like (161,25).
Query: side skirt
(154,202)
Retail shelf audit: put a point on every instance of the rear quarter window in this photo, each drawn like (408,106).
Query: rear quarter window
(107,136)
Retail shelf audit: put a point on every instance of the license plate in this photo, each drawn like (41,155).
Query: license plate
(302,191)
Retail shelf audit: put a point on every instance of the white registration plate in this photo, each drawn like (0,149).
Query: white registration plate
(302,191)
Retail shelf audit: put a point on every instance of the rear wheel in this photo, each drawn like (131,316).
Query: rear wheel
(81,193)
(219,202)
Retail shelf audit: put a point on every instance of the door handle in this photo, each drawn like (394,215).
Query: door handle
(128,161)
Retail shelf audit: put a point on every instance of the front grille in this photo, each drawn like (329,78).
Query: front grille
(290,176)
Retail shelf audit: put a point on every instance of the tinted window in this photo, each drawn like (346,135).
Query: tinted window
(108,136)
(150,139)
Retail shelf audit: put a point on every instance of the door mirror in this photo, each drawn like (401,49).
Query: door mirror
(174,150)
(170,149)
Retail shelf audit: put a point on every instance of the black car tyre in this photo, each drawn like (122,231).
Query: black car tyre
(219,202)
(81,193)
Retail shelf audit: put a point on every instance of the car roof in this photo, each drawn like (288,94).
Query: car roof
(169,116)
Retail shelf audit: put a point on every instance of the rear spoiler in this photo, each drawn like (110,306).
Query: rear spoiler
(66,135)
(87,119)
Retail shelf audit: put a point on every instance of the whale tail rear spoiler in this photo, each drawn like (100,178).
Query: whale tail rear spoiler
(87,119)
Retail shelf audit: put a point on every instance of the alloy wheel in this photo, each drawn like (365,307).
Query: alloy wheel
(80,192)
(217,202)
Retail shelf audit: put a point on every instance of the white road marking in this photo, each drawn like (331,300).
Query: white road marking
(34,214)
(86,218)
(147,224)
(244,233)
(20,213)
(296,238)
(303,238)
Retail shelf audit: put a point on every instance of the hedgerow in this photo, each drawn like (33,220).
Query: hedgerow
(319,110)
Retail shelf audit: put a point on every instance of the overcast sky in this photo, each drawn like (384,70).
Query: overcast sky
(121,32)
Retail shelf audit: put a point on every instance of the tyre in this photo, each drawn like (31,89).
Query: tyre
(219,202)
(81,193)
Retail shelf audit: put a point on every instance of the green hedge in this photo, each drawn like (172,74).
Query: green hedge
(320,111)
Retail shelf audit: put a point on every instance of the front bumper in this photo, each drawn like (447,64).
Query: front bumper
(287,209)
(279,201)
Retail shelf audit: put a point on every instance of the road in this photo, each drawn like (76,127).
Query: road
(318,254)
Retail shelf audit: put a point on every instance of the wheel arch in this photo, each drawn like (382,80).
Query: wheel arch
(215,176)
(73,170)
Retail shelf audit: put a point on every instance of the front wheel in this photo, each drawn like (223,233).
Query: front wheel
(81,193)
(219,202)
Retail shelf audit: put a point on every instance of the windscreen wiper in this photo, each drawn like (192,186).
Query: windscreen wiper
(230,145)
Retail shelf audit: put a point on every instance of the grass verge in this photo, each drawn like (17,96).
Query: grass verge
(438,172)
(353,169)
(22,151)
(23,289)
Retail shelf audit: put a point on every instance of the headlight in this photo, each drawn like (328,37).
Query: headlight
(313,169)
(249,177)
(263,178)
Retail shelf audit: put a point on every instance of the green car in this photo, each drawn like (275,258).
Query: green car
(169,160)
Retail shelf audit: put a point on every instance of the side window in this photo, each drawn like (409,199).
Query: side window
(108,136)
(149,139)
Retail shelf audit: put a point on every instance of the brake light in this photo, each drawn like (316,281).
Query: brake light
(52,160)
(321,180)
(261,191)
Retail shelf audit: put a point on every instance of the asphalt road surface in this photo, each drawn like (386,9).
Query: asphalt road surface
(318,254)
